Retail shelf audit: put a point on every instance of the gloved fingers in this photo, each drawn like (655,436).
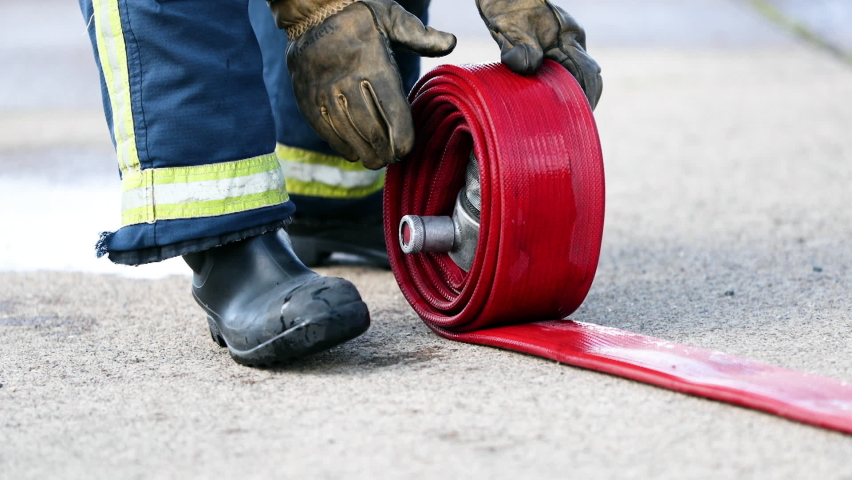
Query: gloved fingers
(329,128)
(383,96)
(341,120)
(378,130)
(368,123)
(407,30)
(519,51)
(568,26)
(582,67)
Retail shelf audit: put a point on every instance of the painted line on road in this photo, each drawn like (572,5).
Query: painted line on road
(769,11)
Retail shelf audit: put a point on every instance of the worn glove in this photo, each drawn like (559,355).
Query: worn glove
(530,30)
(344,75)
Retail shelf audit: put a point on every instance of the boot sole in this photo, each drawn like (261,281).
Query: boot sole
(311,336)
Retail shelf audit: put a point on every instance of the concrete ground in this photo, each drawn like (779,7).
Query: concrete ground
(729,163)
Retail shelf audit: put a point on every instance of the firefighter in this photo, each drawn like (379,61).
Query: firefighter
(220,122)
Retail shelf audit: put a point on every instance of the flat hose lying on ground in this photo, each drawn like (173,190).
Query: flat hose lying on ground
(542,181)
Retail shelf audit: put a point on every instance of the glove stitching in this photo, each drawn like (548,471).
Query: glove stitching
(344,105)
(367,88)
(316,18)
(327,117)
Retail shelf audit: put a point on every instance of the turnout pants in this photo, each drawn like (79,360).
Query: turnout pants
(211,147)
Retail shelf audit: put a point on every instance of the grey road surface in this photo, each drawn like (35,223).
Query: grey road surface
(728,225)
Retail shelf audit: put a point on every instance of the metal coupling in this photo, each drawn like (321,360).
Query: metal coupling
(426,234)
(456,235)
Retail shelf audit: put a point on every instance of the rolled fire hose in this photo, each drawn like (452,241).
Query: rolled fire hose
(541,177)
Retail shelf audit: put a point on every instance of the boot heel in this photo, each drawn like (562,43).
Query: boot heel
(214,333)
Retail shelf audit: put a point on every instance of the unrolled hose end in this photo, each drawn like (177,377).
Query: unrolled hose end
(426,234)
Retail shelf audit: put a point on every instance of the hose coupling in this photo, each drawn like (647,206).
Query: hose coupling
(456,235)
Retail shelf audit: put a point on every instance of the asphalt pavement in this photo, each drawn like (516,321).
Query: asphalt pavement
(728,160)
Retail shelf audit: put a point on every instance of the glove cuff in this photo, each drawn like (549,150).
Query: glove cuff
(296,27)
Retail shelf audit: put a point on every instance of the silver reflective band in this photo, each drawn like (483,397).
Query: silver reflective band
(306,172)
(205,190)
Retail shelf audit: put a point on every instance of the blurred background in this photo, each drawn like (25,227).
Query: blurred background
(58,178)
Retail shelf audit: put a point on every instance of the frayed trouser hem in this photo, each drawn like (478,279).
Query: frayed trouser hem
(156,254)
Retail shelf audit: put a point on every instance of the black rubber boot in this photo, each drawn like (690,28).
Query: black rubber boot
(267,307)
(315,240)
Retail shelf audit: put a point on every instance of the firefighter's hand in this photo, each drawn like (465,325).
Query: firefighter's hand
(528,31)
(344,75)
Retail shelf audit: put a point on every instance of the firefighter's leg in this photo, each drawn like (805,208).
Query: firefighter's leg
(339,203)
(195,139)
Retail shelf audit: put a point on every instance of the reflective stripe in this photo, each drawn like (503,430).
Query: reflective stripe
(330,176)
(178,192)
(112,54)
(202,191)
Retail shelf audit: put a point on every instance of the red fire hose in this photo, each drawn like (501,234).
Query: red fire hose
(541,175)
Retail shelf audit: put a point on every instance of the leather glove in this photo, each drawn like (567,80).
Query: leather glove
(528,31)
(344,75)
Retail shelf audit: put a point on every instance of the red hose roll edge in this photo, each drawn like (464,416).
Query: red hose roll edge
(541,174)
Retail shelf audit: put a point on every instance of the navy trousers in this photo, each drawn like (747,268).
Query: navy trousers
(210,145)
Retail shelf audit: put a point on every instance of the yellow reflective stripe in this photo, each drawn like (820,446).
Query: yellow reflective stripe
(292,154)
(318,189)
(216,171)
(202,191)
(209,208)
(112,54)
(319,175)
(141,183)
